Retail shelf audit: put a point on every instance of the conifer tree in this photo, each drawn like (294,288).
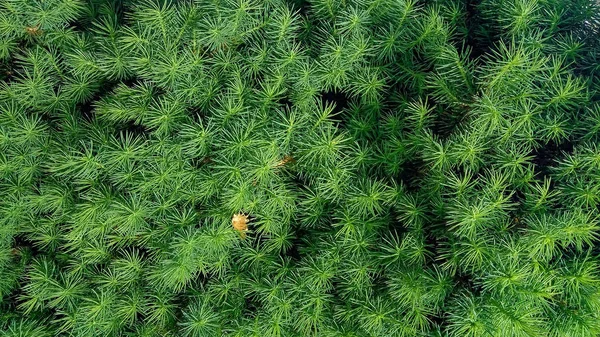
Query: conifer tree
(284,168)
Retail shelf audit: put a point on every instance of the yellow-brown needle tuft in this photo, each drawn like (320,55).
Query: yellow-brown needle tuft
(284,161)
(34,31)
(240,223)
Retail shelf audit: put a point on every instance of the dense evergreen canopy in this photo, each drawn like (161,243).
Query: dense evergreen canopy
(281,168)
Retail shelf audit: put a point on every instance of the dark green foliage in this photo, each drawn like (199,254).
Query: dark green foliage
(405,167)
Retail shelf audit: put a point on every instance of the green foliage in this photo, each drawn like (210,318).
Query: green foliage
(299,168)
